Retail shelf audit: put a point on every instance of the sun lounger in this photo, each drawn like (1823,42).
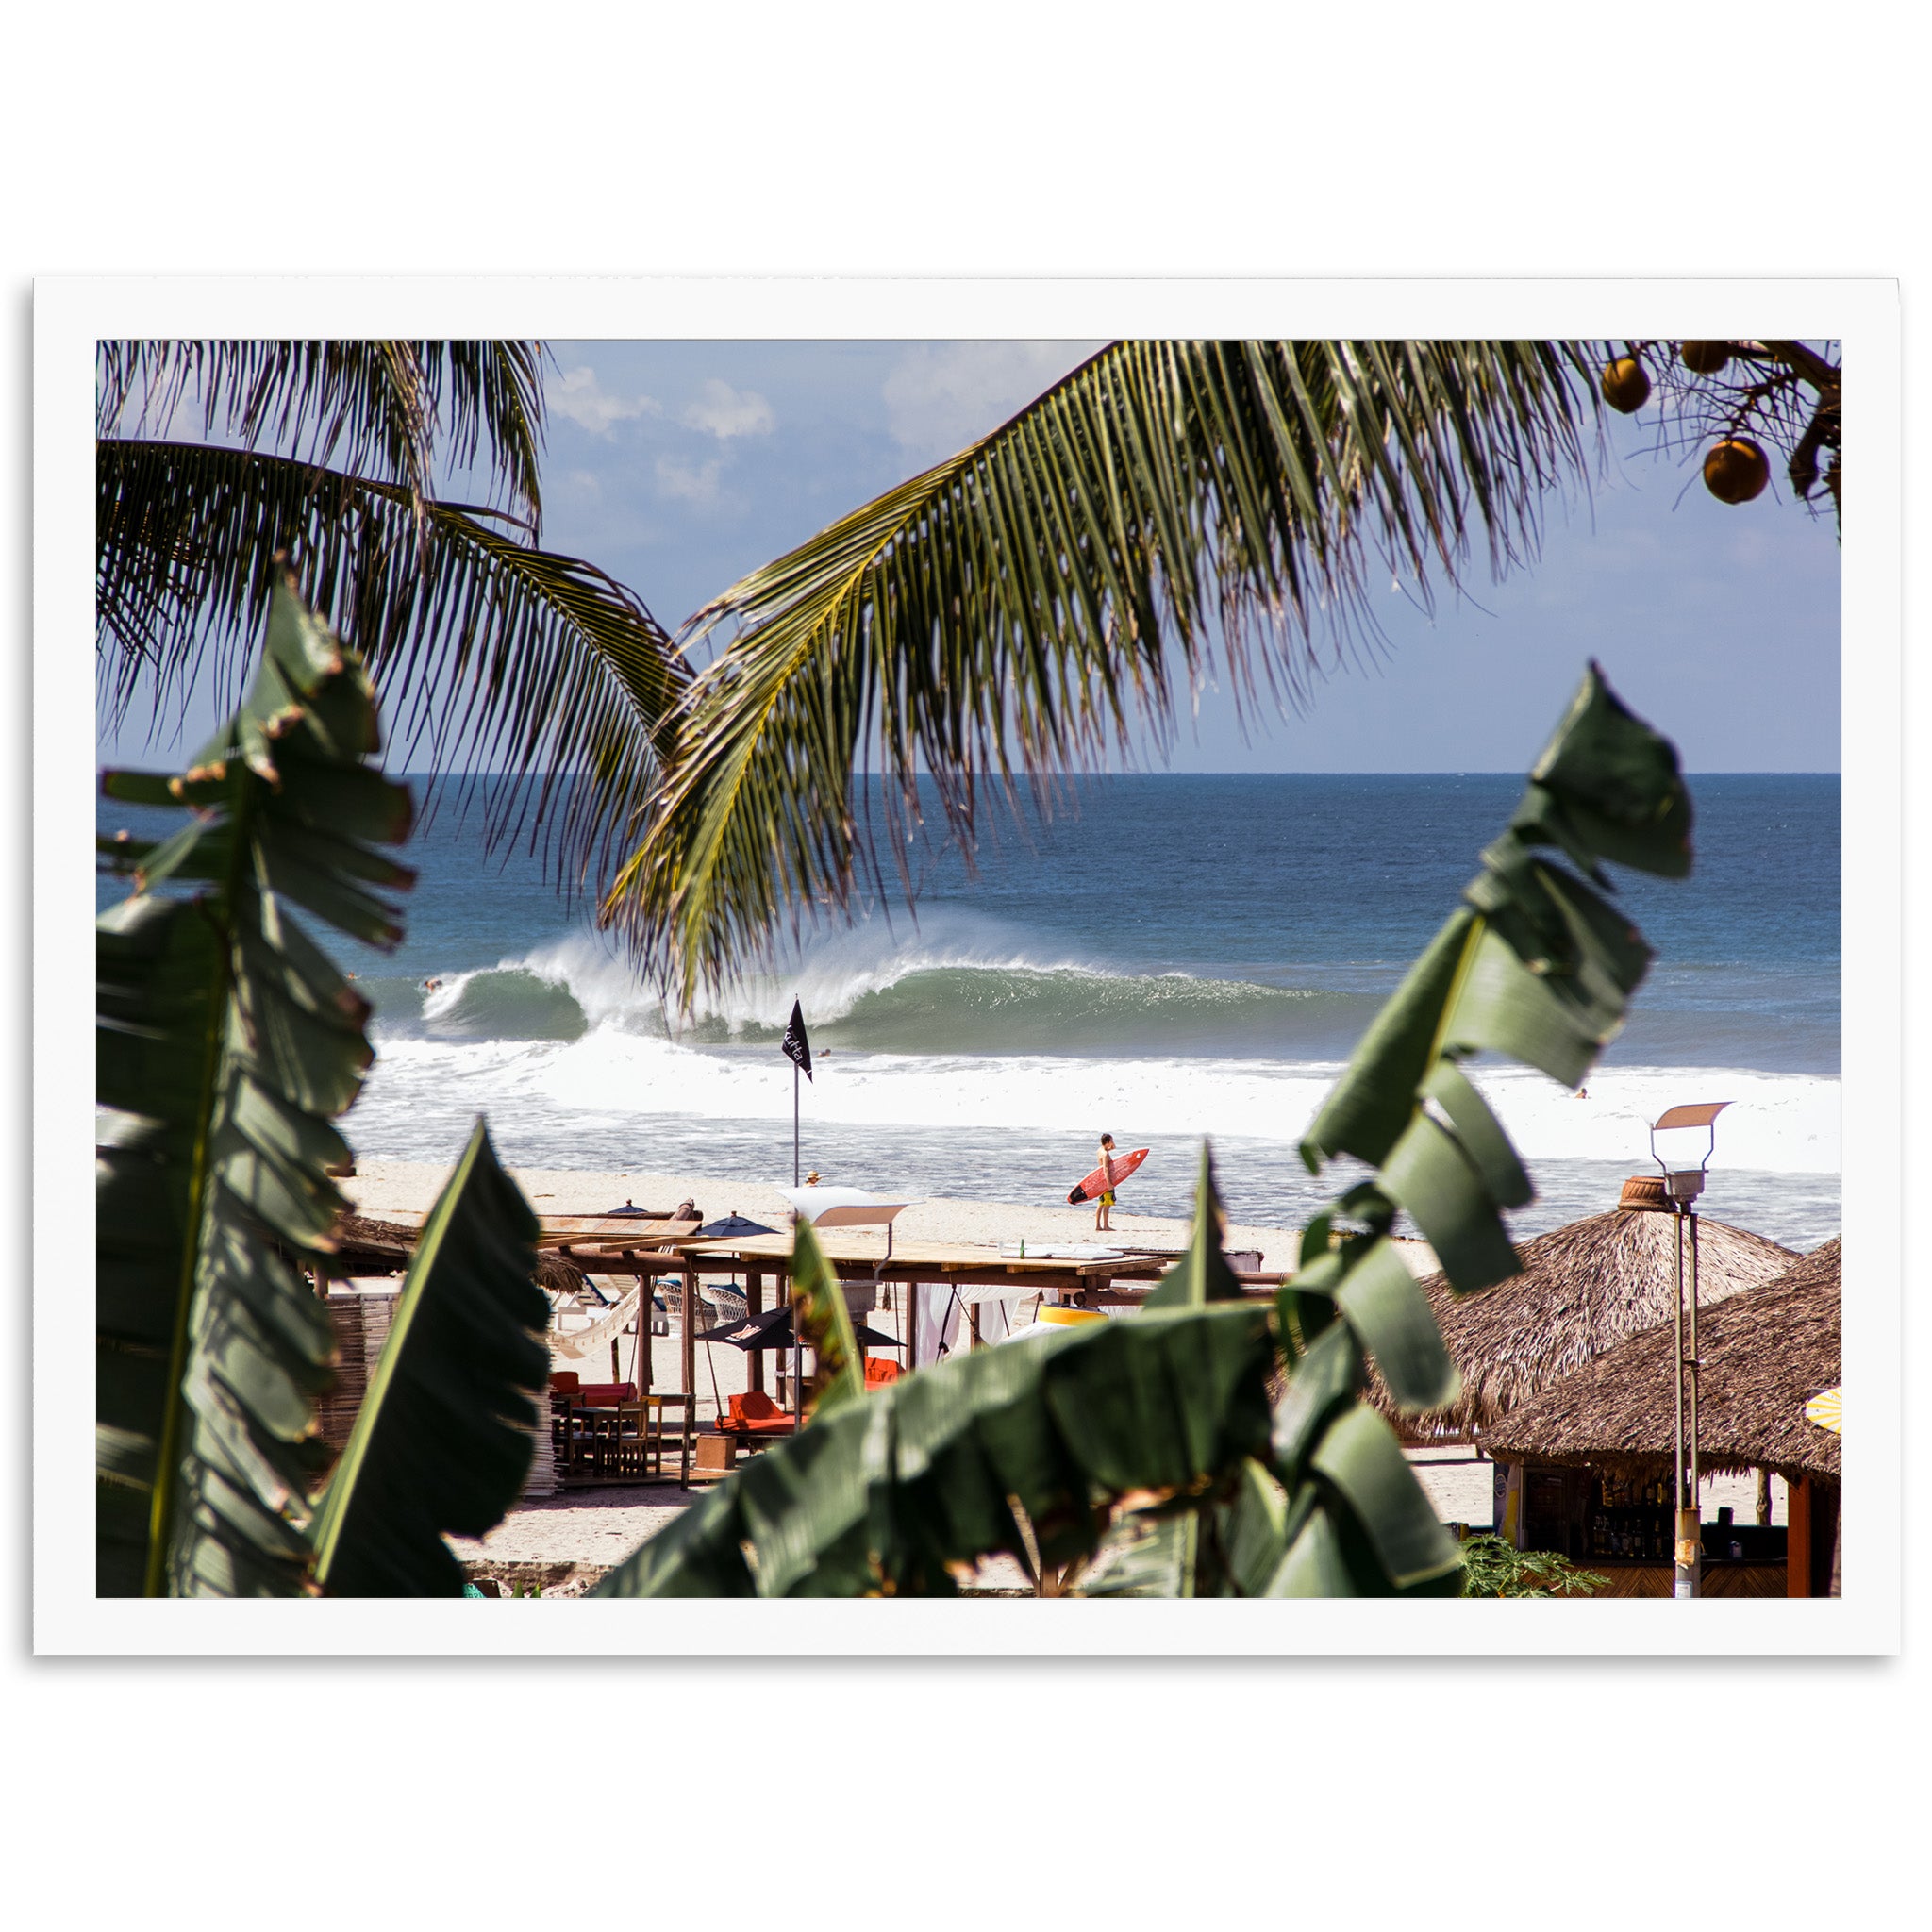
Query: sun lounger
(755,1414)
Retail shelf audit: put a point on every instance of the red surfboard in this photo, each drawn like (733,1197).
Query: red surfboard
(1095,1184)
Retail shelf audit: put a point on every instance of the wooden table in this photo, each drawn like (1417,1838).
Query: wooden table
(602,1417)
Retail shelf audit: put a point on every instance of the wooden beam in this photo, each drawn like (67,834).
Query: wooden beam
(690,1339)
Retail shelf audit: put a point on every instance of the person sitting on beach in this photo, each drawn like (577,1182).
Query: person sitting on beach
(1103,1209)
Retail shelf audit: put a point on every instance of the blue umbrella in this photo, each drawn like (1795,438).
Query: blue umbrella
(734,1226)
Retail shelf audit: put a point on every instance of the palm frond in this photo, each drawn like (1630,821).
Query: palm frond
(494,400)
(531,664)
(369,408)
(1019,607)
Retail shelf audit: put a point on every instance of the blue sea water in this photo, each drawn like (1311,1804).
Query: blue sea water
(1181,957)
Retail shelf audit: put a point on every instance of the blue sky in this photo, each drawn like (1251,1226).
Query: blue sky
(678,466)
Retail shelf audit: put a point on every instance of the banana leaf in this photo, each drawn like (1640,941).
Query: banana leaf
(1020,1450)
(442,1442)
(823,1325)
(226,1044)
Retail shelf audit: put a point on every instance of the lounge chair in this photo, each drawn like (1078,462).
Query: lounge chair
(755,1414)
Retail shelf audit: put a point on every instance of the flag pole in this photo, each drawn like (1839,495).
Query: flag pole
(794,1124)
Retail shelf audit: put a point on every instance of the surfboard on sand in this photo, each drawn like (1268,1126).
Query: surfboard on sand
(1095,1183)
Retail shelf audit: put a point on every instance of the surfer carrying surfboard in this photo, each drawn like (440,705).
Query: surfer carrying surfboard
(1103,1209)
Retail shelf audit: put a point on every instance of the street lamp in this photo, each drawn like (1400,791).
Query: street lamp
(1684,1184)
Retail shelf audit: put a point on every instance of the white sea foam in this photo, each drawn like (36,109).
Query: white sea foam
(1778,1123)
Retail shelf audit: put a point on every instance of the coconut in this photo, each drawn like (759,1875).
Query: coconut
(1627,389)
(1704,359)
(1735,470)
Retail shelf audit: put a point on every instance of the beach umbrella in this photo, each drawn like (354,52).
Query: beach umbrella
(772,1329)
(1584,1289)
(1763,1349)
(629,1212)
(733,1226)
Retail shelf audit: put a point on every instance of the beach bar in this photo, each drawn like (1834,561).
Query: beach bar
(1584,1289)
(1596,1452)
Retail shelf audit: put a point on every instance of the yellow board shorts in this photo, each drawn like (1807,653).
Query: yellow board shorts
(1106,1199)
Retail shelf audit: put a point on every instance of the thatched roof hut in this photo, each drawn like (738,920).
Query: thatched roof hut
(1584,1289)
(1764,1353)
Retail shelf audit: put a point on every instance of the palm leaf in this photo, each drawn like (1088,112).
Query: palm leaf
(531,664)
(442,1442)
(1019,607)
(373,407)
(227,1043)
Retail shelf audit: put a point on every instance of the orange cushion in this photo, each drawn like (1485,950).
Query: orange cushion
(608,1394)
(879,1370)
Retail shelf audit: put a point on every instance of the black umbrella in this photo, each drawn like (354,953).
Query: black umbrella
(629,1212)
(772,1329)
(734,1226)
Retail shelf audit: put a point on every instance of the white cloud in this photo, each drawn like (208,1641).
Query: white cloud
(693,482)
(943,395)
(578,395)
(725,412)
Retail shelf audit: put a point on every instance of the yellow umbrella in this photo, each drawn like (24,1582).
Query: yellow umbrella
(1825,1409)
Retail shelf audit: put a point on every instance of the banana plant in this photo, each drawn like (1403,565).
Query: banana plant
(823,1325)
(226,1044)
(1046,1448)
(444,1438)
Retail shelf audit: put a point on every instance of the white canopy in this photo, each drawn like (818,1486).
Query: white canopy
(842,1206)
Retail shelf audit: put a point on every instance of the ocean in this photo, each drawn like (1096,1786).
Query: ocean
(1185,958)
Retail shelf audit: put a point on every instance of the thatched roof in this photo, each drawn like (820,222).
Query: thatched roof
(1584,1289)
(367,1245)
(1764,1354)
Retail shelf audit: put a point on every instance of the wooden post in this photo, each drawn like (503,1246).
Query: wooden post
(755,1306)
(1798,1536)
(690,1300)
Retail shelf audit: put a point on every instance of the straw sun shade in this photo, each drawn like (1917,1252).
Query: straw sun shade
(1764,1353)
(1584,1289)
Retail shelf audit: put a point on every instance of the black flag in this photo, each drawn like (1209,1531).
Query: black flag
(795,1046)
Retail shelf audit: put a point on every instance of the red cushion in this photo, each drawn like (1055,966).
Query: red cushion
(608,1394)
(879,1370)
(564,1380)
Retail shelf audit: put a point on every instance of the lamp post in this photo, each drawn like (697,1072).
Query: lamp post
(1684,1184)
